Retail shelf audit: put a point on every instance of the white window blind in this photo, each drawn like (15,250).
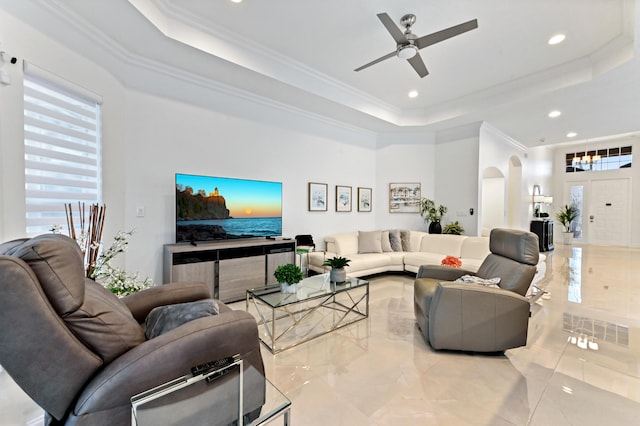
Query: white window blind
(61,150)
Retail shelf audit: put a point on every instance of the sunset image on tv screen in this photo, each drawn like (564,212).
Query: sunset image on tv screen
(213,208)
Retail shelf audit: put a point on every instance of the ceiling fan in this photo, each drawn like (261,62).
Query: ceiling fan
(408,44)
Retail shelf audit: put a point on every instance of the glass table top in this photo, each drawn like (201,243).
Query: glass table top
(309,288)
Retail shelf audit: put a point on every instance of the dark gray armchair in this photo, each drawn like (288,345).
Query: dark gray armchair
(474,317)
(81,353)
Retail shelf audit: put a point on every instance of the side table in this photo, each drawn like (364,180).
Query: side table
(303,254)
(190,399)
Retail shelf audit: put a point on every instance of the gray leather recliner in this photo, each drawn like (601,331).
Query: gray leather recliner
(474,317)
(81,353)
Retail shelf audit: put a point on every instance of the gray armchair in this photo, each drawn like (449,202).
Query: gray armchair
(474,317)
(81,353)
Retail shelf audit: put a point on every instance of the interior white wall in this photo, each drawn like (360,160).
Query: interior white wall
(493,207)
(514,191)
(175,137)
(456,180)
(540,170)
(496,150)
(403,158)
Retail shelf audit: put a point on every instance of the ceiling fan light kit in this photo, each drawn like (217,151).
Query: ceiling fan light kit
(407,52)
(408,44)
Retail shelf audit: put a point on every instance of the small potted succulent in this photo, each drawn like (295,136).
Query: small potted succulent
(288,275)
(338,274)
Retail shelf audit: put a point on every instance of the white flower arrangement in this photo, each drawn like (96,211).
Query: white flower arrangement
(116,280)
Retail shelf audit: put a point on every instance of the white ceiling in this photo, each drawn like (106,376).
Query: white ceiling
(303,53)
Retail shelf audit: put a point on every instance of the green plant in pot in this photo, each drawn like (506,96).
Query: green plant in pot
(432,214)
(566,216)
(453,228)
(337,274)
(288,275)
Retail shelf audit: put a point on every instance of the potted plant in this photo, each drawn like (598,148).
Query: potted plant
(566,216)
(453,228)
(432,214)
(337,274)
(288,275)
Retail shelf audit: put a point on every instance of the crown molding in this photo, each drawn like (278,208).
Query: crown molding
(126,57)
(506,138)
(364,114)
(190,29)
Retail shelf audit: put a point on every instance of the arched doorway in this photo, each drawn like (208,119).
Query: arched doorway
(493,196)
(514,193)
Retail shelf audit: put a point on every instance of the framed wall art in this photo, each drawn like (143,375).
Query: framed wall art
(404,197)
(343,198)
(364,199)
(317,197)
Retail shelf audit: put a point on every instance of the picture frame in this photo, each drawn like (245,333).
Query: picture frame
(343,198)
(404,197)
(365,200)
(317,197)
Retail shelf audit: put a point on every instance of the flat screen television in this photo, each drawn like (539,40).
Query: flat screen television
(212,208)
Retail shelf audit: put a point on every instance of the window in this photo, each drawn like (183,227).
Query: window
(600,159)
(61,149)
(576,197)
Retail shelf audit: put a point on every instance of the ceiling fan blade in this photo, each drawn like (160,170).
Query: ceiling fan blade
(387,56)
(418,64)
(393,29)
(447,33)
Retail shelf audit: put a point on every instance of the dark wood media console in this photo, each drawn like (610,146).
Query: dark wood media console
(229,267)
(543,228)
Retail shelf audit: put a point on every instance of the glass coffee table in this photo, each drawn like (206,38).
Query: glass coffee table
(318,307)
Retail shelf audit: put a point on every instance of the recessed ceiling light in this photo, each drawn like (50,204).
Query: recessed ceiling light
(572,134)
(558,38)
(413,94)
(236,1)
(554,114)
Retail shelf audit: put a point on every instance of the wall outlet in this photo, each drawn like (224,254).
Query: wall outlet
(140,211)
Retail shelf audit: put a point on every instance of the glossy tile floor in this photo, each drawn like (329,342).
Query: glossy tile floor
(581,365)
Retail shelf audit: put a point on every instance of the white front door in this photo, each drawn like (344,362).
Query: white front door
(609,215)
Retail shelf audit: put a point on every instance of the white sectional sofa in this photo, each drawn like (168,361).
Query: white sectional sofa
(434,247)
(372,256)
(374,252)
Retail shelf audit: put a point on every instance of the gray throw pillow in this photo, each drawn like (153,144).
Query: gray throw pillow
(405,237)
(386,244)
(370,242)
(165,318)
(395,240)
